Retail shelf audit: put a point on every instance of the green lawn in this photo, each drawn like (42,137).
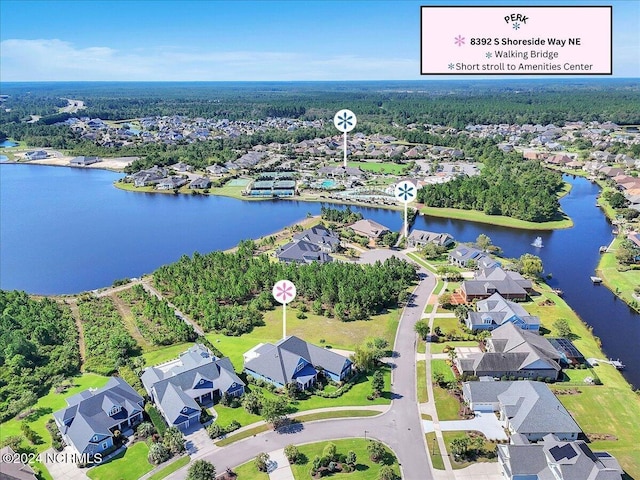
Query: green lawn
(421,346)
(440,366)
(319,330)
(248,471)
(166,471)
(480,217)
(621,283)
(365,468)
(446,405)
(450,436)
(129,465)
(378,167)
(422,262)
(311,417)
(609,410)
(48,404)
(421,372)
(612,408)
(434,451)
(447,324)
(164,354)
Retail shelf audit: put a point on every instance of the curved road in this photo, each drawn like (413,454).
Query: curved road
(400,427)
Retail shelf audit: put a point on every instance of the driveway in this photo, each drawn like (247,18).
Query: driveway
(61,465)
(485,422)
(480,471)
(197,439)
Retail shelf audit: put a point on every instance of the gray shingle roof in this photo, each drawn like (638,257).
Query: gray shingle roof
(196,373)
(421,237)
(88,412)
(302,251)
(280,361)
(368,228)
(319,235)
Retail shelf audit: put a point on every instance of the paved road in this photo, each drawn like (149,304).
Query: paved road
(400,428)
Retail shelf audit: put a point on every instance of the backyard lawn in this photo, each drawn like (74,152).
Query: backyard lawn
(365,468)
(43,409)
(129,465)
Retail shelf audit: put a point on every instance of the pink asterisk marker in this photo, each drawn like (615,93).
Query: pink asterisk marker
(284,291)
(459,40)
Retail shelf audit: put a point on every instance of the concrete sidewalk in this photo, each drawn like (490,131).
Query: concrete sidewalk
(279,468)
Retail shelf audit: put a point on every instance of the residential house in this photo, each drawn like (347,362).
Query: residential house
(465,256)
(529,409)
(369,228)
(292,360)
(511,285)
(12,467)
(555,459)
(151,176)
(35,155)
(495,311)
(200,182)
(181,167)
(83,161)
(513,352)
(180,386)
(217,170)
(302,251)
(91,417)
(419,238)
(171,183)
(321,236)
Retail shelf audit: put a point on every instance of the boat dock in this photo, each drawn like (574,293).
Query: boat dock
(616,363)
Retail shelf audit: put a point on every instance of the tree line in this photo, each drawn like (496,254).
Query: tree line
(38,348)
(228,292)
(507,185)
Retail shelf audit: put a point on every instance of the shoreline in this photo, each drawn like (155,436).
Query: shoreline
(602,266)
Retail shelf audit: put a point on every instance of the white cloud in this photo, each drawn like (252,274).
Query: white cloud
(58,60)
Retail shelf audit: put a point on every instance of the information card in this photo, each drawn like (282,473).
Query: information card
(488,40)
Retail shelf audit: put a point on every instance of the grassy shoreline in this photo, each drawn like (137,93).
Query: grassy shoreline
(499,220)
(620,283)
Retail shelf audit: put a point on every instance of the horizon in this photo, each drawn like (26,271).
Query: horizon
(249,41)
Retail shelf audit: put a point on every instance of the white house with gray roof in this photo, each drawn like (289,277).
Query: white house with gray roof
(92,416)
(292,360)
(496,310)
(419,238)
(179,387)
(465,256)
(513,352)
(555,459)
(327,240)
(528,408)
(511,285)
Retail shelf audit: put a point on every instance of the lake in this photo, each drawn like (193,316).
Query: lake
(69,230)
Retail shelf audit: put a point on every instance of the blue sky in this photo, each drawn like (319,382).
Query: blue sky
(47,40)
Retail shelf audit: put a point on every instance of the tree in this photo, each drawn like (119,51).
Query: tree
(377,383)
(145,429)
(352,458)
(293,390)
(214,430)
(365,358)
(330,451)
(422,328)
(292,453)
(617,200)
(274,409)
(262,462)
(562,327)
(445,300)
(530,265)
(316,464)
(252,402)
(461,312)
(173,440)
(386,473)
(483,242)
(459,446)
(452,355)
(158,453)
(376,451)
(201,470)
(431,251)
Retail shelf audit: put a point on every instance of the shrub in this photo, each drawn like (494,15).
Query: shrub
(201,470)
(158,453)
(214,430)
(145,429)
(261,461)
(155,417)
(292,453)
(173,440)
(330,451)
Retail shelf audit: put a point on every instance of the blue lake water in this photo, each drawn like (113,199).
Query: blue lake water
(70,230)
(7,144)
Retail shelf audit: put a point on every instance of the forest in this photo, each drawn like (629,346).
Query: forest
(108,345)
(227,292)
(38,348)
(507,185)
(155,319)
